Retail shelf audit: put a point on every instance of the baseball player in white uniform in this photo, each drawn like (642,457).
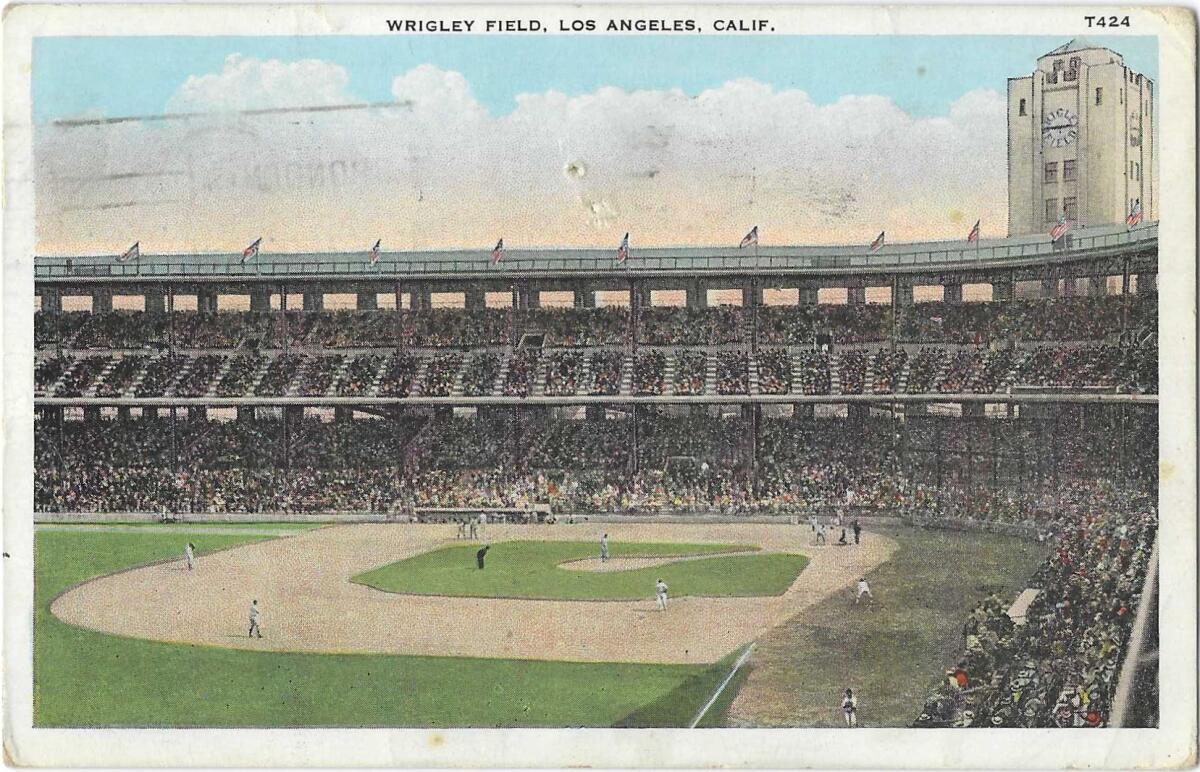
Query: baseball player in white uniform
(850,708)
(189,555)
(660,590)
(863,589)
(254,614)
(604,548)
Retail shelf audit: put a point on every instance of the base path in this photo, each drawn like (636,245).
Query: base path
(309,604)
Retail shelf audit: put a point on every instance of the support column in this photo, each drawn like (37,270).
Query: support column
(972,410)
(473,299)
(260,299)
(904,294)
(314,301)
(803,411)
(1049,288)
(585,296)
(520,297)
(51,300)
(206,301)
(156,301)
(1070,285)
(857,411)
(419,297)
(752,296)
(366,301)
(101,300)
(245,413)
(197,413)
(697,295)
(1002,289)
(952,293)
(856,296)
(1097,286)
(807,296)
(91,414)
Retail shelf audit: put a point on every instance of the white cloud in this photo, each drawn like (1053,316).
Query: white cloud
(437,170)
(247,84)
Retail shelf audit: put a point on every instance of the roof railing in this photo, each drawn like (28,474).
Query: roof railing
(592,261)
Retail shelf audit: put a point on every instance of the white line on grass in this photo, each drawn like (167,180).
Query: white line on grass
(736,666)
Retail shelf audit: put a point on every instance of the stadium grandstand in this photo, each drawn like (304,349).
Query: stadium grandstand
(1006,385)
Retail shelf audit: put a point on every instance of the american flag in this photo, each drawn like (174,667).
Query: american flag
(375,252)
(1060,227)
(1135,214)
(498,251)
(974,234)
(623,250)
(878,242)
(133,253)
(750,238)
(252,250)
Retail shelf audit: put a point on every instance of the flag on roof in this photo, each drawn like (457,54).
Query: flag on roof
(750,238)
(498,251)
(878,242)
(974,234)
(252,250)
(623,250)
(133,253)
(375,252)
(1134,214)
(1060,227)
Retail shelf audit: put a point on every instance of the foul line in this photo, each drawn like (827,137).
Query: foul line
(736,666)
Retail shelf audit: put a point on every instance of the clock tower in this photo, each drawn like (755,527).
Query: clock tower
(1080,141)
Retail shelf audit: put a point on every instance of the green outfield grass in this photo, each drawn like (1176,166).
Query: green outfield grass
(83,678)
(530,569)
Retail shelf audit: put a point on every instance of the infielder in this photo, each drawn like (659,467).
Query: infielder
(254,613)
(863,589)
(660,590)
(189,555)
(820,533)
(604,548)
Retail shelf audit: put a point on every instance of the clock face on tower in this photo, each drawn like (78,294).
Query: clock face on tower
(1059,128)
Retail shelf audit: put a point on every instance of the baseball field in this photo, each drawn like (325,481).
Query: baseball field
(395,625)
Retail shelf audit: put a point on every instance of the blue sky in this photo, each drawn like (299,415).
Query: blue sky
(116,76)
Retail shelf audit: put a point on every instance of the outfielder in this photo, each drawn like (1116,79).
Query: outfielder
(604,548)
(660,590)
(189,555)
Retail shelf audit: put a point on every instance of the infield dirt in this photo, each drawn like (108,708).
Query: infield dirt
(302,584)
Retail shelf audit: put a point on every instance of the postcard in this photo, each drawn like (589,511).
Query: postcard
(598,385)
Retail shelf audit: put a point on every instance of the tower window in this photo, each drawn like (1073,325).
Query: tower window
(1099,95)
(1021,108)
(1052,171)
(1069,208)
(1052,210)
(1069,170)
